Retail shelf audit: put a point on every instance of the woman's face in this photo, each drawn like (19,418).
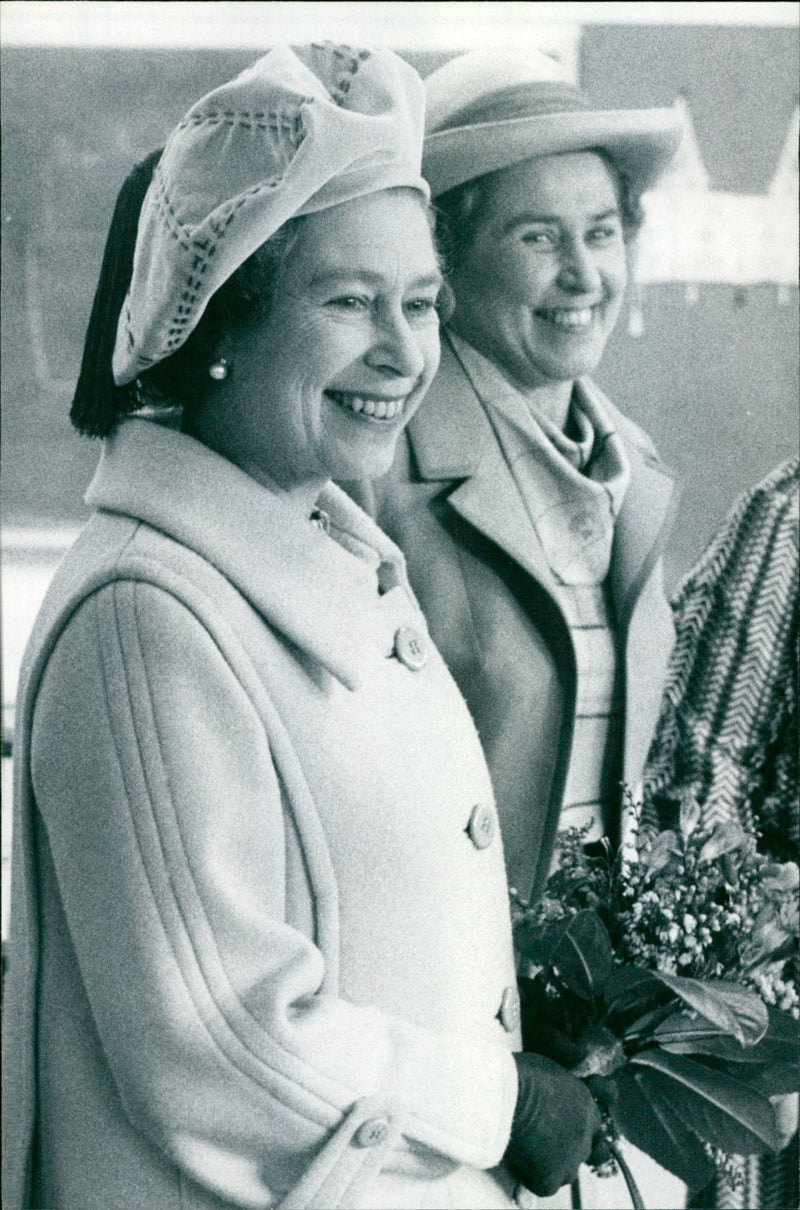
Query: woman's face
(322,387)
(541,286)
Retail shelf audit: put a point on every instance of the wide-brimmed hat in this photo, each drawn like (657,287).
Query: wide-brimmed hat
(488,110)
(303,129)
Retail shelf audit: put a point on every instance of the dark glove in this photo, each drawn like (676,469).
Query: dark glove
(554,1125)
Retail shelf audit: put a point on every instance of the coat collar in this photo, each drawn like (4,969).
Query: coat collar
(451,438)
(318,594)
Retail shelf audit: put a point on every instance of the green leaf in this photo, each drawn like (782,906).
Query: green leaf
(688,1033)
(648,1026)
(648,1121)
(664,848)
(543,1026)
(770,1079)
(690,813)
(733,1009)
(578,947)
(781,878)
(583,955)
(770,1065)
(718,1108)
(782,1031)
(537,941)
(767,939)
(631,991)
(725,838)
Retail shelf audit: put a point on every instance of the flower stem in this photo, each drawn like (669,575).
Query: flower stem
(633,1188)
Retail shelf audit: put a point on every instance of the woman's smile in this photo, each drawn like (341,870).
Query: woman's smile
(570,319)
(369,407)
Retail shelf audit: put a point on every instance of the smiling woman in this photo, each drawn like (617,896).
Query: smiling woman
(260,939)
(321,385)
(541,283)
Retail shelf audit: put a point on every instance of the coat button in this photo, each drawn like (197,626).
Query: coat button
(509,1009)
(371,1132)
(410,648)
(481,827)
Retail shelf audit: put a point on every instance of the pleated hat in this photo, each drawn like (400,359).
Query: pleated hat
(303,129)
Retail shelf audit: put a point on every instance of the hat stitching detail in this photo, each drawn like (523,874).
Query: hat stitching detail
(205,249)
(355,55)
(177,229)
(353,60)
(288,124)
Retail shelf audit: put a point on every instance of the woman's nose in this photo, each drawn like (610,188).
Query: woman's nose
(579,270)
(397,350)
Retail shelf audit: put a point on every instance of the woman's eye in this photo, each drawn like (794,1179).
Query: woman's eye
(349,302)
(421,306)
(540,239)
(603,235)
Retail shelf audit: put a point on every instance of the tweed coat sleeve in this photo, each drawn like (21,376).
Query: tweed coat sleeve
(167,821)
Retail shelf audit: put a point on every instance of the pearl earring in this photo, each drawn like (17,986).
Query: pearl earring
(218,370)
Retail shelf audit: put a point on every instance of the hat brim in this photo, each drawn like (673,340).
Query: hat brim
(641,141)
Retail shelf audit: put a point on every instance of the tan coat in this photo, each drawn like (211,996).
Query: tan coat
(452,506)
(250,910)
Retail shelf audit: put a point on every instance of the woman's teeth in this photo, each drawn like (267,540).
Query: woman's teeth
(380,409)
(564,318)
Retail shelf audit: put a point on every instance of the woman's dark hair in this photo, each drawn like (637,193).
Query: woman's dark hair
(459,211)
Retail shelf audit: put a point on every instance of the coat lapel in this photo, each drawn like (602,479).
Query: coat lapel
(643,521)
(451,438)
(319,595)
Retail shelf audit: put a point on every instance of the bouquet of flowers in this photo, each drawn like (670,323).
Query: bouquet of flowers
(667,978)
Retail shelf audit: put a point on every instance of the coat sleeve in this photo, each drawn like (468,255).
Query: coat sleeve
(167,821)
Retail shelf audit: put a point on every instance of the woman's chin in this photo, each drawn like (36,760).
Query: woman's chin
(367,464)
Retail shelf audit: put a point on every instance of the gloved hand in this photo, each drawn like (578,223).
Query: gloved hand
(554,1125)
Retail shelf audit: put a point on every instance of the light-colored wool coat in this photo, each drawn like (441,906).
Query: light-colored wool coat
(249,915)
(485,586)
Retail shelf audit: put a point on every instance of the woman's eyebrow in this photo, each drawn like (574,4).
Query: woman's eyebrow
(523,220)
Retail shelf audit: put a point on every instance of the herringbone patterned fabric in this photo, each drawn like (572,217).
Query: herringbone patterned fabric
(728,725)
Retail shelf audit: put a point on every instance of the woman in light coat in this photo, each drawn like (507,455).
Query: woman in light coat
(260,945)
(532,513)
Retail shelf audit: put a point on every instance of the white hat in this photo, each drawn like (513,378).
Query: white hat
(487,110)
(303,129)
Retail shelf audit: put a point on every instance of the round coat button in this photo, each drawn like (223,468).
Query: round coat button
(481,826)
(410,648)
(371,1132)
(509,1009)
